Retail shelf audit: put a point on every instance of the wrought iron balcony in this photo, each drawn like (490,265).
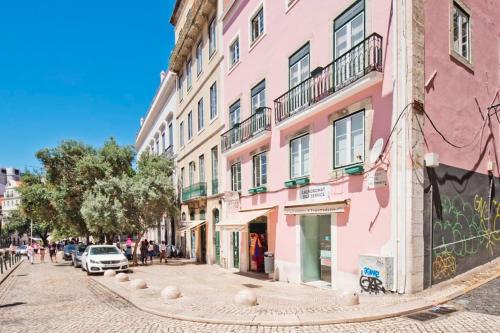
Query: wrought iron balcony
(363,58)
(169,151)
(258,122)
(194,191)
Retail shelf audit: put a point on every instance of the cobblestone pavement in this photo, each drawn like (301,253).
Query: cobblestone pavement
(47,298)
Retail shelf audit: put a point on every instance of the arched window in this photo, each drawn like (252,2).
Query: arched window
(191,215)
(202,214)
(183,216)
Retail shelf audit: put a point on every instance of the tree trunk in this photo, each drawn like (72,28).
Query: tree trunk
(134,253)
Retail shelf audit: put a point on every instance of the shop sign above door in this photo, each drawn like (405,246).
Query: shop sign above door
(315,193)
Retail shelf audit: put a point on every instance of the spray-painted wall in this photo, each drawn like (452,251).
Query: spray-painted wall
(464,231)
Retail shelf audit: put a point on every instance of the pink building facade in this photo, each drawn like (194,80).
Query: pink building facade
(329,158)
(307,75)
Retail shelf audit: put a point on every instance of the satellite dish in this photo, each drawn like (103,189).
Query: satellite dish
(376,150)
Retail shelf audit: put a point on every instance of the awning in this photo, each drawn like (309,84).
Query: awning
(191,225)
(315,208)
(242,218)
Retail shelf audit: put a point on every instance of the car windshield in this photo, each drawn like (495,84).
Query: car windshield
(104,250)
(70,247)
(22,247)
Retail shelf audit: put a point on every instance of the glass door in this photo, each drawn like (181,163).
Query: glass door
(217,247)
(236,249)
(349,63)
(315,248)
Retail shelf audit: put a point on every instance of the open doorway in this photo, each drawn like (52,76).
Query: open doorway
(257,230)
(315,250)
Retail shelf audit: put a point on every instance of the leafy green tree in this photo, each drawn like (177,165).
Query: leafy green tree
(16,222)
(61,171)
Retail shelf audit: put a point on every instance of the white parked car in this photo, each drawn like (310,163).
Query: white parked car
(22,250)
(98,258)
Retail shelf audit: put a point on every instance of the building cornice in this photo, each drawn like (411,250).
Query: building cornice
(190,31)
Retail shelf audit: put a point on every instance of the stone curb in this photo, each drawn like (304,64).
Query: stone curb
(365,318)
(6,275)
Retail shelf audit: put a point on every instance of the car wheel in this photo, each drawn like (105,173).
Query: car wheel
(87,269)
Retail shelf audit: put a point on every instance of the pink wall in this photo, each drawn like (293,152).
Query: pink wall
(365,226)
(449,98)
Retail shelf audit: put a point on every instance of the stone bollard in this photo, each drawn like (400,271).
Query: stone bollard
(138,284)
(170,292)
(109,273)
(122,277)
(246,297)
(348,298)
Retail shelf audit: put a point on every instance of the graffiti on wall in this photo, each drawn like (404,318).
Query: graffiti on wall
(465,226)
(370,282)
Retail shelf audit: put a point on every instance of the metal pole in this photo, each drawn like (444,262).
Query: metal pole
(31,231)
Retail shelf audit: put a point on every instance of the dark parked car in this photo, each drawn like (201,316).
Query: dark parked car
(77,255)
(68,251)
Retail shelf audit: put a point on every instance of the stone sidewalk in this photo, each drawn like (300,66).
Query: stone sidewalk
(208,293)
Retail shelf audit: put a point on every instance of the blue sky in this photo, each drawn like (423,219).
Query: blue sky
(84,70)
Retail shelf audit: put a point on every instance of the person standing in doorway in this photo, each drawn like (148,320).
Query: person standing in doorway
(163,252)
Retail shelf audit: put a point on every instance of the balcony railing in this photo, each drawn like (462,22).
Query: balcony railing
(194,191)
(258,122)
(215,186)
(363,58)
(169,151)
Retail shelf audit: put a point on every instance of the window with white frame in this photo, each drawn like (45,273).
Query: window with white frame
(299,66)
(179,86)
(461,32)
(188,74)
(349,140)
(163,141)
(234,114)
(191,173)
(260,170)
(170,135)
(201,115)
(213,101)
(212,37)
(257,25)
(236,177)
(349,29)
(199,58)
(234,52)
(190,125)
(181,134)
(215,163)
(201,168)
(183,177)
(299,157)
(258,96)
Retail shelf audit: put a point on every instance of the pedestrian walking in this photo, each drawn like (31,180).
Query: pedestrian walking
(144,251)
(42,254)
(151,251)
(52,252)
(31,252)
(12,249)
(163,252)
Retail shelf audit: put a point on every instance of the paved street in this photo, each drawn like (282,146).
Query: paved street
(48,297)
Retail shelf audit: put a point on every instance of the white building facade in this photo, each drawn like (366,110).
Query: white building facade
(157,136)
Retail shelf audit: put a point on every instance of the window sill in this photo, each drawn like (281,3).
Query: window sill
(211,56)
(257,41)
(199,74)
(233,67)
(201,130)
(214,119)
(290,6)
(459,58)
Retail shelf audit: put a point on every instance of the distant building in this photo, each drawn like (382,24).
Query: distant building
(156,135)
(6,174)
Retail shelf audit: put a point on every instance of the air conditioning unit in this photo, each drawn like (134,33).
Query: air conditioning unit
(375,274)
